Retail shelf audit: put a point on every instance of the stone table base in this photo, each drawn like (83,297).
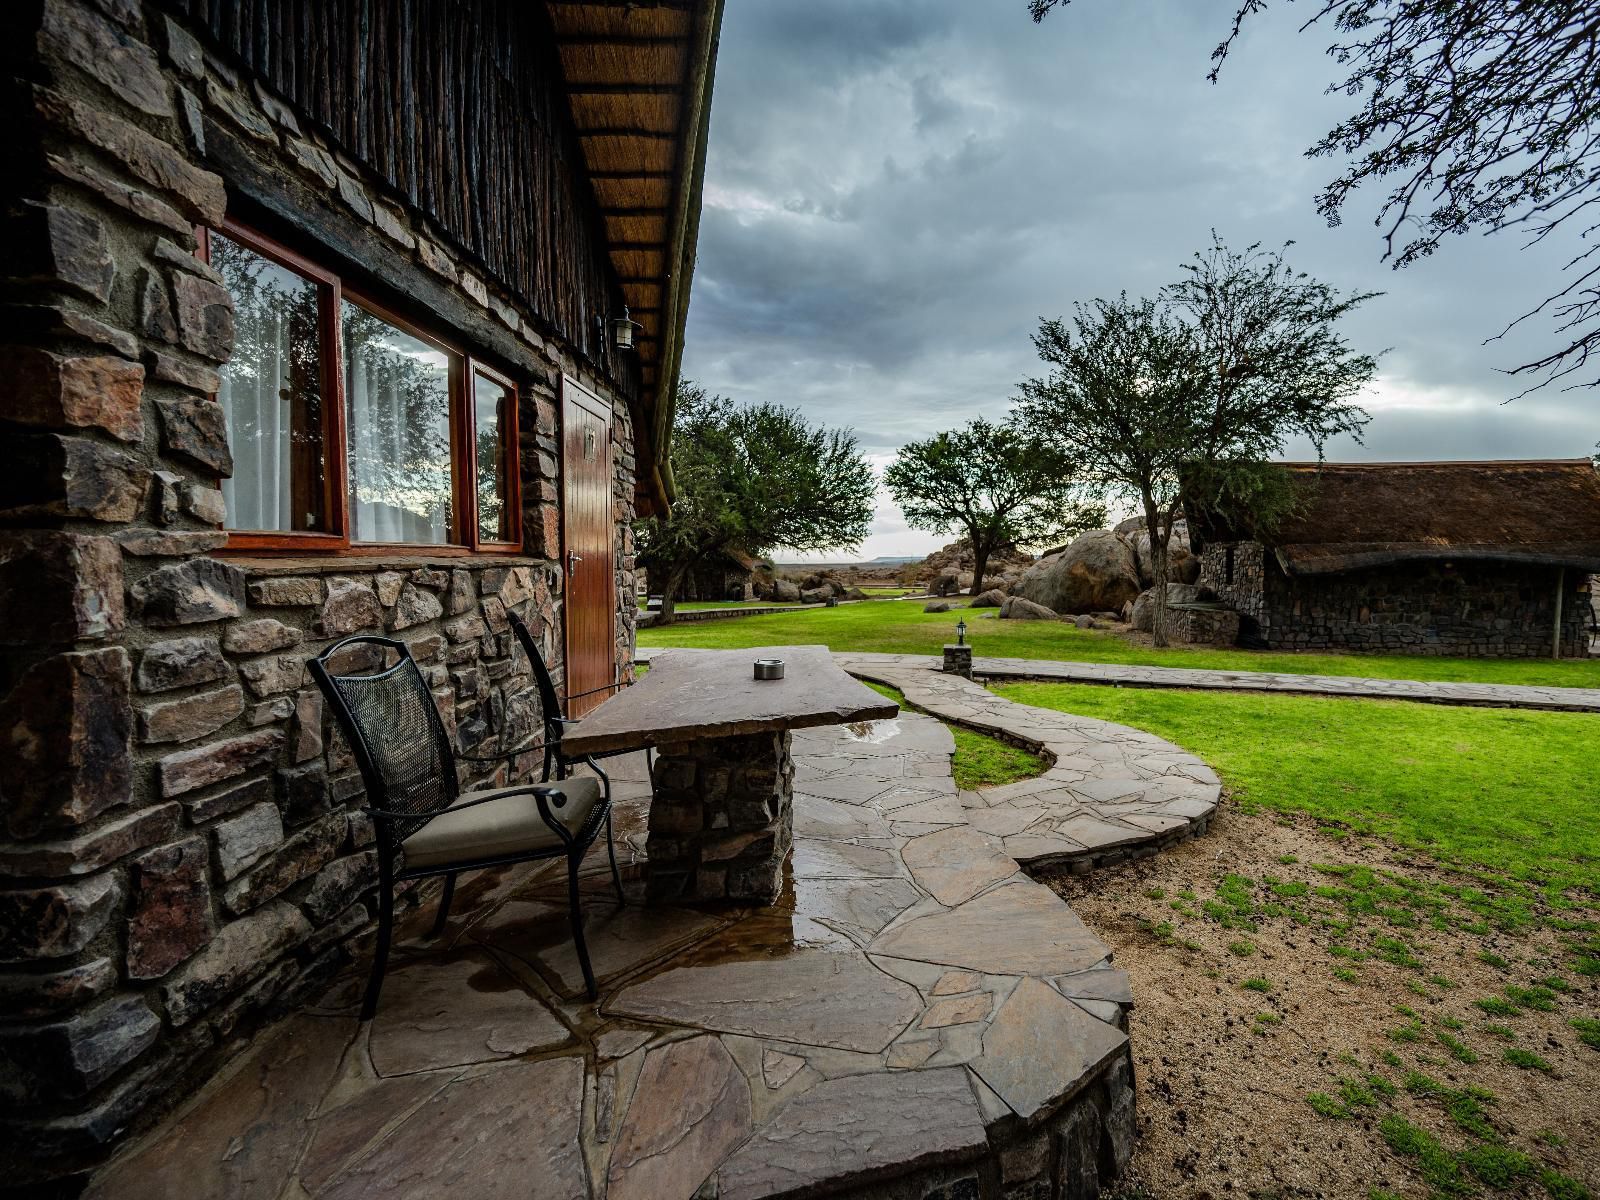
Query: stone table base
(721,820)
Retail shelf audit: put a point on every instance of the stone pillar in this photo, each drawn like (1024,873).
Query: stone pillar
(721,819)
(958,660)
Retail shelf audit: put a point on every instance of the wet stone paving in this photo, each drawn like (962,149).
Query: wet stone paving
(915,1017)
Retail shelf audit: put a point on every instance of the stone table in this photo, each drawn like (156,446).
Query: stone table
(722,809)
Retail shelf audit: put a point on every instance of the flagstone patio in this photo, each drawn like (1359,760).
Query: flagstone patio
(915,1017)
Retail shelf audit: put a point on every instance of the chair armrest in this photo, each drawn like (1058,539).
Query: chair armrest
(543,793)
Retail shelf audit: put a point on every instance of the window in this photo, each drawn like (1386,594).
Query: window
(350,427)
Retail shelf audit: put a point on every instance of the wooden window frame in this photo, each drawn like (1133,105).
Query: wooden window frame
(512,434)
(464,368)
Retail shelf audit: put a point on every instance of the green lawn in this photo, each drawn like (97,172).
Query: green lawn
(900,626)
(980,760)
(1507,791)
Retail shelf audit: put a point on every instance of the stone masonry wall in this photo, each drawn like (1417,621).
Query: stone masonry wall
(181,851)
(1243,589)
(1472,609)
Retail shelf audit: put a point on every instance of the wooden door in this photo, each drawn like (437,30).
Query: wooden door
(587,533)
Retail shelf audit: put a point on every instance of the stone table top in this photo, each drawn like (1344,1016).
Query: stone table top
(701,694)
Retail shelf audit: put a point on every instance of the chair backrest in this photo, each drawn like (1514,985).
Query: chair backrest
(390,720)
(549,702)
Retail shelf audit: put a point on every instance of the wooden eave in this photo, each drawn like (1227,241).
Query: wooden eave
(638,79)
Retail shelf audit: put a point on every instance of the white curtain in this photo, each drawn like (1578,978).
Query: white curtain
(260,425)
(386,506)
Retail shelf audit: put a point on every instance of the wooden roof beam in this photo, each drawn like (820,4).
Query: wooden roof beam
(582,88)
(627,131)
(620,39)
(629,176)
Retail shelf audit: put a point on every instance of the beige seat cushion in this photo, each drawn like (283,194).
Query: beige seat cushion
(500,828)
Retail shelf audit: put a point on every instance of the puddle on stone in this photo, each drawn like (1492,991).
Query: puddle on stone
(874,733)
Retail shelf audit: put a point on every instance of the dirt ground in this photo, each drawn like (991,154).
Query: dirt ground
(1225,1070)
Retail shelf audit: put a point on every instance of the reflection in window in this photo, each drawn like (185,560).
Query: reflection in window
(271,395)
(397,405)
(492,403)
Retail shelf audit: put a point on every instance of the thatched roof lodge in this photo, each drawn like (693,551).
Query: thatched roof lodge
(1476,558)
(328,318)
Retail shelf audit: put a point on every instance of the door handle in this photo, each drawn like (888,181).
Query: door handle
(573,559)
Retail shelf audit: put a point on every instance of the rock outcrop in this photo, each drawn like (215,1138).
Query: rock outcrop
(1096,573)
(1016,608)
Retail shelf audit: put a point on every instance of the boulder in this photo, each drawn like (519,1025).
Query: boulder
(854,593)
(1084,622)
(1144,608)
(1018,608)
(783,590)
(1004,559)
(1182,565)
(936,606)
(993,598)
(1095,572)
(816,595)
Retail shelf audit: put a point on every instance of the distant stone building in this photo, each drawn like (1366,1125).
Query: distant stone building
(1488,559)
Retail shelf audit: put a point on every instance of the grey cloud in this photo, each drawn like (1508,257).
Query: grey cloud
(898,189)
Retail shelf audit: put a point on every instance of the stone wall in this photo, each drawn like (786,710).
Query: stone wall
(182,852)
(1239,583)
(1471,609)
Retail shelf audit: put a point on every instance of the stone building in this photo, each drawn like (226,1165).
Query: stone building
(315,328)
(1479,559)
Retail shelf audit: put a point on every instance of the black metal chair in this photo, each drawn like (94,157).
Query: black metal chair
(555,718)
(419,811)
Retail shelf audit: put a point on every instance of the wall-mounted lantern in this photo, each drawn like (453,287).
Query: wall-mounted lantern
(621,330)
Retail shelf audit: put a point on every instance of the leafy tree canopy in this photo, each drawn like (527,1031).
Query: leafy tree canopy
(1472,115)
(1197,389)
(753,478)
(995,484)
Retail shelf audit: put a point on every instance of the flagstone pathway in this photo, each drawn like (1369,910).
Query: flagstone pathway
(1486,695)
(916,1018)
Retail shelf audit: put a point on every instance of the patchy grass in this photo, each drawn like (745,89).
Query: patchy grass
(1496,790)
(901,627)
(1526,1060)
(1405,1058)
(981,760)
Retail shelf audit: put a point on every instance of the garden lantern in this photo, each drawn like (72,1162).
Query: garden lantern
(961,633)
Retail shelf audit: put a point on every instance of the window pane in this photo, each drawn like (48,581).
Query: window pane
(397,404)
(492,402)
(271,395)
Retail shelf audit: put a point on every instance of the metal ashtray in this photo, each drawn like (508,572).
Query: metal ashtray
(769,668)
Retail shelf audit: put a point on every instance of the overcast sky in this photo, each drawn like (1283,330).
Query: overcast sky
(898,189)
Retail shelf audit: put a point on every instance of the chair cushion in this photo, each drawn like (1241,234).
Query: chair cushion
(500,828)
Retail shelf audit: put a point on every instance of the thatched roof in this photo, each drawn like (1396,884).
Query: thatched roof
(639,76)
(1369,514)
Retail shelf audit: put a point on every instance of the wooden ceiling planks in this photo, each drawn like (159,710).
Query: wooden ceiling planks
(637,79)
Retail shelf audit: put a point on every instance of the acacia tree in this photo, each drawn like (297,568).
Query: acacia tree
(1195,391)
(1481,115)
(996,484)
(753,478)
